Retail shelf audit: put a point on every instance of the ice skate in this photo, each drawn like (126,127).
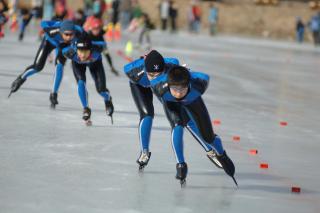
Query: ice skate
(182,170)
(143,159)
(212,155)
(86,116)
(16,85)
(53,100)
(109,108)
(227,165)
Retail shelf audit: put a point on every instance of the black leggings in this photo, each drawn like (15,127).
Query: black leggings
(97,73)
(175,113)
(41,57)
(143,99)
(198,112)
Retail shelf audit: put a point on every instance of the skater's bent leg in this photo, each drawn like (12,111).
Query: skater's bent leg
(143,99)
(192,128)
(60,62)
(177,143)
(83,94)
(98,74)
(198,113)
(79,71)
(40,59)
(145,127)
(176,117)
(108,57)
(58,75)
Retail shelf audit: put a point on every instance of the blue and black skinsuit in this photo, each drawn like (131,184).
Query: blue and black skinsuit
(143,98)
(192,105)
(106,53)
(94,63)
(51,40)
(198,120)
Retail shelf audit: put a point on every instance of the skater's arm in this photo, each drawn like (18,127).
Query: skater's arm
(99,45)
(49,25)
(134,70)
(199,81)
(160,86)
(69,52)
(171,61)
(78,29)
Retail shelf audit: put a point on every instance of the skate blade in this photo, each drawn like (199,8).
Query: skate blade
(88,123)
(216,163)
(235,181)
(111,119)
(9,94)
(53,106)
(183,183)
(141,168)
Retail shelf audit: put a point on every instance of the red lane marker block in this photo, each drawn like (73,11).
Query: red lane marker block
(121,54)
(216,122)
(236,138)
(264,165)
(283,123)
(295,189)
(253,151)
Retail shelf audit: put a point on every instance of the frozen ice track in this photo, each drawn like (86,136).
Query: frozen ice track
(51,162)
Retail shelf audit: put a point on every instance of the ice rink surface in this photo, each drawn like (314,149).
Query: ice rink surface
(50,162)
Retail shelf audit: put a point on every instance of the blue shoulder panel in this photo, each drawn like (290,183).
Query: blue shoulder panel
(50,24)
(53,40)
(79,28)
(139,63)
(200,75)
(101,44)
(160,79)
(171,61)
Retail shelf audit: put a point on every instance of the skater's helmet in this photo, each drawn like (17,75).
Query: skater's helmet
(178,76)
(84,43)
(67,25)
(154,62)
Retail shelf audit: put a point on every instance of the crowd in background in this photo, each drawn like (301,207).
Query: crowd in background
(131,16)
(313,25)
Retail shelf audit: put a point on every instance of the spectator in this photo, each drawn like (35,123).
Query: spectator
(136,10)
(196,12)
(299,30)
(115,11)
(213,19)
(173,13)
(315,28)
(126,13)
(48,6)
(164,13)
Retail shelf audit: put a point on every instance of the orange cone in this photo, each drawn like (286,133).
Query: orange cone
(296,189)
(236,138)
(264,166)
(14,24)
(253,151)
(109,33)
(117,32)
(216,122)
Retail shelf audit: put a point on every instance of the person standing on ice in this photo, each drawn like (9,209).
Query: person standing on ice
(180,91)
(57,36)
(143,98)
(86,53)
